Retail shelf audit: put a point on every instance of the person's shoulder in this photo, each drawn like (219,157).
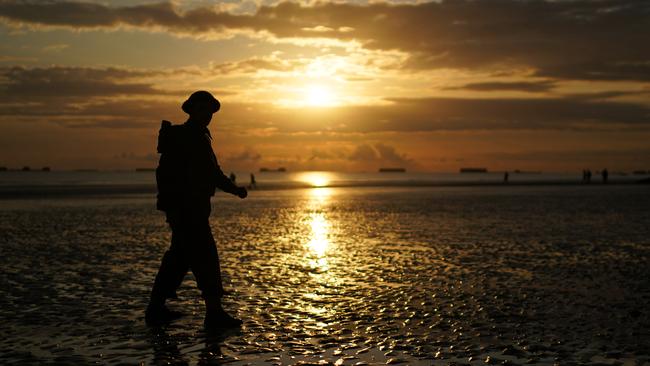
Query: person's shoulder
(166,125)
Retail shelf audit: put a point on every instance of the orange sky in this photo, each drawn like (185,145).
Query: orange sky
(554,86)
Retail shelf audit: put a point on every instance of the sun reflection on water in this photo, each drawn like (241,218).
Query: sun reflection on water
(319,235)
(320,195)
(319,243)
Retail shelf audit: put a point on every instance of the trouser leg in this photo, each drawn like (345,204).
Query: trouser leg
(173,268)
(204,262)
(193,247)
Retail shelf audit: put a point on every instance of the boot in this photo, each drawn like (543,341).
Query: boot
(216,316)
(157,313)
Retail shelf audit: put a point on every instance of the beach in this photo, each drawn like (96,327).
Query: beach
(352,275)
(398,182)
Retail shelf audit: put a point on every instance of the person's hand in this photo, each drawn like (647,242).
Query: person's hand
(241,192)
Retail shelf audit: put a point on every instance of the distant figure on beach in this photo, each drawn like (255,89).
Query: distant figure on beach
(505,177)
(586,176)
(188,174)
(253,183)
(233,177)
(605,175)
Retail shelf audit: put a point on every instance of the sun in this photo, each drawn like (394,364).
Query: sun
(319,96)
(315,179)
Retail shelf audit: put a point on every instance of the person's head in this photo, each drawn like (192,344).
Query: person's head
(201,105)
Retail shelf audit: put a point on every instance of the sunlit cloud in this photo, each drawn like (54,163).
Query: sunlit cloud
(576,39)
(322,81)
(330,85)
(104,95)
(55,47)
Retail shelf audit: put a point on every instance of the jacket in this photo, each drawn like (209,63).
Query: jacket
(188,172)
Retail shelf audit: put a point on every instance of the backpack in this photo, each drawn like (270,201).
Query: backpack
(171,173)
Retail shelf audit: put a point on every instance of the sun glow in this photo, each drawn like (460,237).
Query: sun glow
(315,179)
(319,96)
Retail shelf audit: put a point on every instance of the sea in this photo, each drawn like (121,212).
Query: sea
(329,268)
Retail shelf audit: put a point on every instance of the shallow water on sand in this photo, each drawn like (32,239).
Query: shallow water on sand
(340,276)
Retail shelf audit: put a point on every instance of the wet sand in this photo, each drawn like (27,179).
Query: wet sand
(346,276)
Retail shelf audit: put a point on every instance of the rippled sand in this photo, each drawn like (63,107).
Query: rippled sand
(426,276)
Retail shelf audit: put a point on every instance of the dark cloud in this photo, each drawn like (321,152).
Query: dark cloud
(583,156)
(609,94)
(389,154)
(514,113)
(93,112)
(403,115)
(103,122)
(150,157)
(86,97)
(38,83)
(321,154)
(378,153)
(523,86)
(363,152)
(83,14)
(451,114)
(597,69)
(587,40)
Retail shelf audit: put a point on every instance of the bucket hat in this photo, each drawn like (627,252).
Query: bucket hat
(200,97)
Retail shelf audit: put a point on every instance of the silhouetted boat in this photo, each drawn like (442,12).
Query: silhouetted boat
(473,170)
(280,170)
(517,171)
(145,169)
(392,170)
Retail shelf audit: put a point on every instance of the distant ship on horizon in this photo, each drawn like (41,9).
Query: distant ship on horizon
(473,170)
(392,170)
(517,171)
(26,168)
(279,170)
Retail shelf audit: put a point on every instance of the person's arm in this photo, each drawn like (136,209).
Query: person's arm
(225,184)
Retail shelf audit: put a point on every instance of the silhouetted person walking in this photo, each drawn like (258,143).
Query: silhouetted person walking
(187,176)
(605,174)
(505,177)
(253,183)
